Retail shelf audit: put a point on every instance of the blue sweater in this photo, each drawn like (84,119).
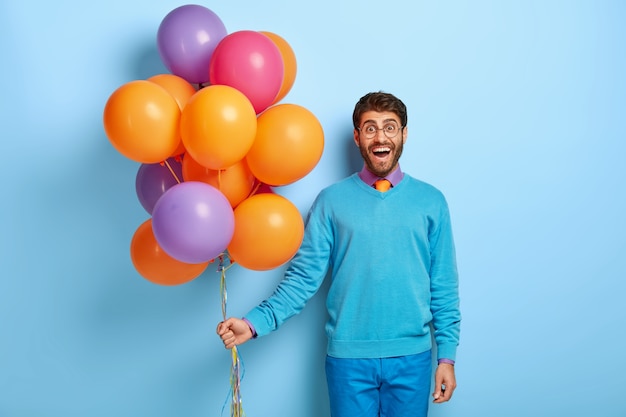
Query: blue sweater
(392,268)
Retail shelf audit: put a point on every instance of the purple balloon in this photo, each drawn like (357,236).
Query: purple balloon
(153,180)
(193,222)
(186,39)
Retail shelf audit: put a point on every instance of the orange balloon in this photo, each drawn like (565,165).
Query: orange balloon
(288,144)
(268,232)
(155,265)
(235,182)
(218,126)
(181,90)
(178,87)
(290,65)
(141,120)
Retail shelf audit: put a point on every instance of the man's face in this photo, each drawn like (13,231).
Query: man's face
(380,152)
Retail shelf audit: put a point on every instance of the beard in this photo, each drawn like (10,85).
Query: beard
(384,167)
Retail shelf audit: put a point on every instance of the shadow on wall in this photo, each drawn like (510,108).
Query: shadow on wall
(354,161)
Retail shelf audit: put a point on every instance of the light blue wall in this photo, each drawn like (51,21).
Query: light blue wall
(517,113)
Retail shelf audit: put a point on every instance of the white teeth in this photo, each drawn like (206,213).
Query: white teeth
(382,149)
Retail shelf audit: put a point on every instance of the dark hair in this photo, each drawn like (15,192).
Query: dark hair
(379,102)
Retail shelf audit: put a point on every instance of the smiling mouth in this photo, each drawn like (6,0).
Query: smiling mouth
(381,151)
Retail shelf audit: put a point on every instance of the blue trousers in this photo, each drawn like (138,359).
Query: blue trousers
(385,387)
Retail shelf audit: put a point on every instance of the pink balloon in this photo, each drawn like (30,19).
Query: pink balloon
(193,222)
(250,62)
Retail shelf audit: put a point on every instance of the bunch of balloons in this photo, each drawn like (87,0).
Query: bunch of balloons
(212,140)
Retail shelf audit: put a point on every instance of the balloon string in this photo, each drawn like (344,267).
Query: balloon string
(255,189)
(236,408)
(167,164)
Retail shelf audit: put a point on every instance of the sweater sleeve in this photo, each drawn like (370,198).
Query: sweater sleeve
(302,279)
(444,287)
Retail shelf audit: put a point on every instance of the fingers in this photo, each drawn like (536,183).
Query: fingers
(229,340)
(442,394)
(226,333)
(438,394)
(222,328)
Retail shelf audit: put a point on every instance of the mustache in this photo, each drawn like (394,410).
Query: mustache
(389,145)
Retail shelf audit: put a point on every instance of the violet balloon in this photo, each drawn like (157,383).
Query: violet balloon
(250,62)
(193,222)
(186,40)
(153,180)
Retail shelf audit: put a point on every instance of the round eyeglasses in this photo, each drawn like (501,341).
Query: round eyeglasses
(390,129)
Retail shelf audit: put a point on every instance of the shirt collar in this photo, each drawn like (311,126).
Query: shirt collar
(369,178)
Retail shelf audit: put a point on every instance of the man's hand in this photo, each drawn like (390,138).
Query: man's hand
(234,332)
(445,383)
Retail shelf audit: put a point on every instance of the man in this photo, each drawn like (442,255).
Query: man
(391,257)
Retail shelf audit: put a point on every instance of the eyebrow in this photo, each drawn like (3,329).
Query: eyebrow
(384,121)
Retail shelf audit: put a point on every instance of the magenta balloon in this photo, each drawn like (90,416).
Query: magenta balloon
(187,38)
(193,222)
(153,180)
(250,62)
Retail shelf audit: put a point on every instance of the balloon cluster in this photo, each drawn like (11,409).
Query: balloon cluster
(212,140)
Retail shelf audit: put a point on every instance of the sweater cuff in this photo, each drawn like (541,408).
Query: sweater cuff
(251,326)
(444,360)
(446,351)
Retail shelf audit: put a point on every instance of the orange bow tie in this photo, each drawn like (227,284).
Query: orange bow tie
(382,185)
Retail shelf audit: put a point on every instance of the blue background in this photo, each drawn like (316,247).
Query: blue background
(516,112)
